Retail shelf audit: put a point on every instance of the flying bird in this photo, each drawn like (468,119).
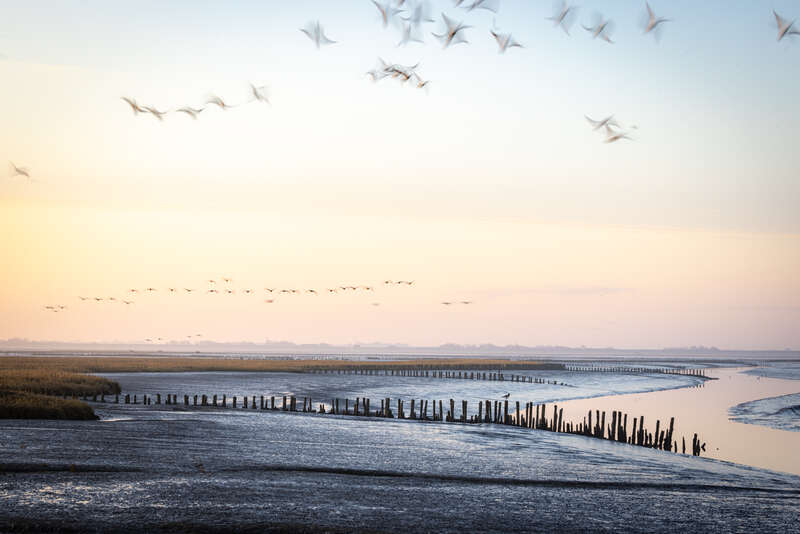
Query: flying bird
(127,302)
(387,12)
(784,27)
(98,299)
(490,5)
(311,291)
(188,290)
(507,395)
(563,17)
(466,302)
(316,33)
(653,22)
(504,41)
(19,171)
(447,303)
(154,112)
(453,33)
(84,298)
(597,124)
(134,106)
(259,93)
(601,29)
(217,101)
(248,291)
(612,136)
(227,280)
(192,112)
(269,289)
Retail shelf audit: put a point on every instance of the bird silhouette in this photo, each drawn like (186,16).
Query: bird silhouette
(507,395)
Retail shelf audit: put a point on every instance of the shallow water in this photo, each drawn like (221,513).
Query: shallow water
(705,410)
(146,468)
(782,412)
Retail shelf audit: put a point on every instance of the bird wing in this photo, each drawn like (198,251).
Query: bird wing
(779,20)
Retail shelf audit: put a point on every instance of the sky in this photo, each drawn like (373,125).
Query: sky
(487,186)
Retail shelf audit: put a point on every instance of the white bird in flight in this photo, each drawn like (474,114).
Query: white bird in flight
(563,17)
(192,112)
(387,12)
(156,113)
(490,5)
(601,29)
(316,33)
(134,106)
(612,136)
(453,32)
(652,20)
(259,93)
(217,101)
(608,121)
(504,41)
(784,26)
(19,171)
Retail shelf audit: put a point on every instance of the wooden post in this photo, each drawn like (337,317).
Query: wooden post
(234,401)
(158,398)
(505,412)
(463,411)
(452,410)
(519,416)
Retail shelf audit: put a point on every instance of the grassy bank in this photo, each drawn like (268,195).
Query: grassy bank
(20,405)
(178,364)
(32,393)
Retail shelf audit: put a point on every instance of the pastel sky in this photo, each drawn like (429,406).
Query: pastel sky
(487,186)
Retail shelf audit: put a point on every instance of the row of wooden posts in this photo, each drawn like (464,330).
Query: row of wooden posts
(637,370)
(458,375)
(534,416)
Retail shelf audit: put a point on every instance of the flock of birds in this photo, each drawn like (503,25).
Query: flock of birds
(225,286)
(411,16)
(257,94)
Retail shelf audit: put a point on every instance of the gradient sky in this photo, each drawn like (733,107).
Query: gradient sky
(490,186)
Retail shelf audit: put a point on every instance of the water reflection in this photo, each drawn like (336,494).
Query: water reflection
(705,411)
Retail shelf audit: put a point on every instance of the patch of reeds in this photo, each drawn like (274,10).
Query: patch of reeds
(119,364)
(22,405)
(53,382)
(30,393)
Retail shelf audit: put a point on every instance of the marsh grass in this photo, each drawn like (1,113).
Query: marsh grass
(22,405)
(120,364)
(35,393)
